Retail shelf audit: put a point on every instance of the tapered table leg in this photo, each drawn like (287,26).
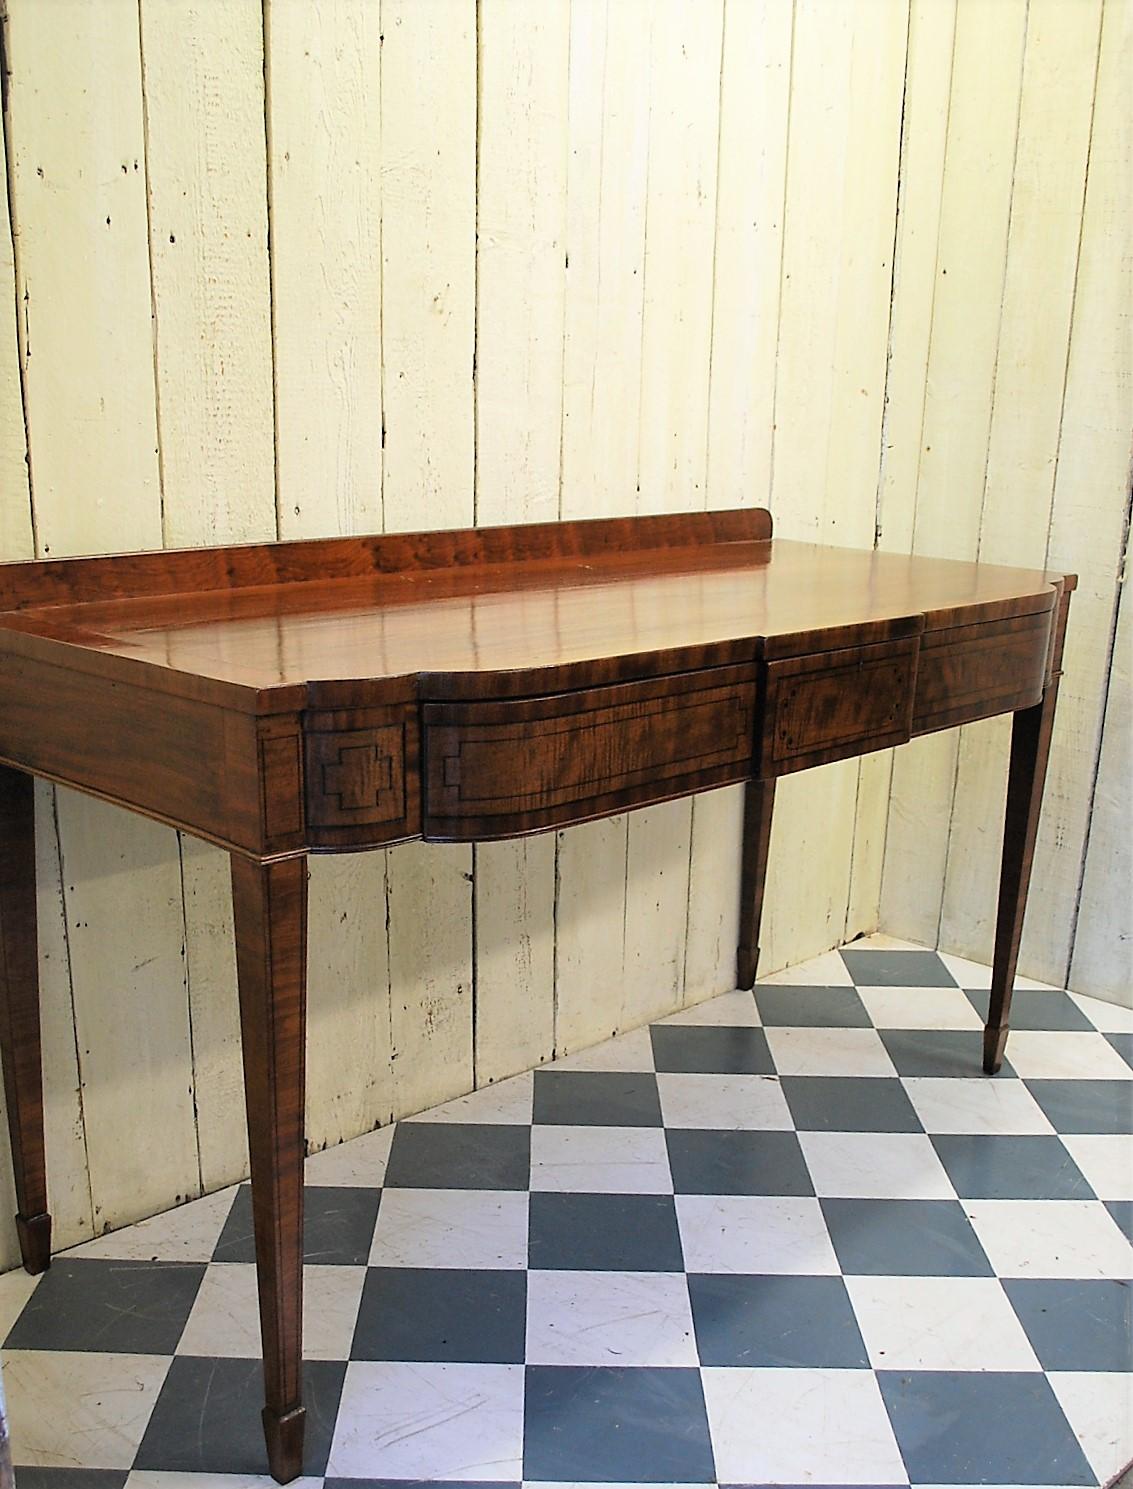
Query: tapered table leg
(1030,747)
(1031,731)
(19,1014)
(759,800)
(270,905)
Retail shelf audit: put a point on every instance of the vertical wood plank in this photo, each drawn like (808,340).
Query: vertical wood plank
(971,254)
(16,538)
(520,286)
(1090,491)
(607,168)
(349,1080)
(606,186)
(428,82)
(713,916)
(131,1009)
(521,232)
(590,913)
(1042,261)
(842,168)
(1103,948)
(430,961)
(210,958)
(324,63)
(818,170)
(754,99)
(680,216)
(862,255)
(932,27)
(68,1178)
(429,119)
(80,202)
(676,344)
(205,167)
(924,129)
(79,193)
(203,90)
(324,110)
(515,956)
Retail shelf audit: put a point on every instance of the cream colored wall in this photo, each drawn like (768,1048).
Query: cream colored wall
(320,266)
(1014,445)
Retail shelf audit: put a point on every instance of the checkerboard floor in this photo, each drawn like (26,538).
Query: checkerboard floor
(787,1238)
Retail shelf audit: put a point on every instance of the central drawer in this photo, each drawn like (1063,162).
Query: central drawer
(506,766)
(834,705)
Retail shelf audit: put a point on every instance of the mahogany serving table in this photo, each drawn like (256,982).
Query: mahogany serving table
(323,696)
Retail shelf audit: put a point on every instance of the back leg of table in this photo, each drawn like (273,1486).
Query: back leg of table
(19,1014)
(759,799)
(270,911)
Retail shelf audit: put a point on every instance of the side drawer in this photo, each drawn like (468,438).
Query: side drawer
(973,672)
(361,769)
(493,769)
(835,704)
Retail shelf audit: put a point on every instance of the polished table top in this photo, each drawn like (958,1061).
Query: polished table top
(536,613)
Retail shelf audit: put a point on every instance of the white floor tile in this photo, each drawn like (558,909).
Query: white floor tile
(507,1103)
(827,970)
(874,1165)
(432,1421)
(187,1234)
(1110,1018)
(633,1051)
(1106,1160)
(451,1228)
(225,1318)
(15,1289)
(977,975)
(609,1318)
(821,1051)
(754,1234)
(724,1103)
(730,1010)
(800,1426)
(1002,1108)
(919,1008)
(358,1164)
(939,1323)
(1099,1408)
(1050,1238)
(1062,1054)
(80,1410)
(600,1160)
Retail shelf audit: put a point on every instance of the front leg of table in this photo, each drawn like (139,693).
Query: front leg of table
(270,906)
(19,1014)
(1031,731)
(1030,747)
(759,800)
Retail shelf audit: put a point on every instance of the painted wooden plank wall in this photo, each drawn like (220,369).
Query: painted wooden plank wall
(1024,455)
(322,266)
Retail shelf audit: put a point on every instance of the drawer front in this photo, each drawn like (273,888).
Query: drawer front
(832,705)
(361,783)
(497,768)
(973,672)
